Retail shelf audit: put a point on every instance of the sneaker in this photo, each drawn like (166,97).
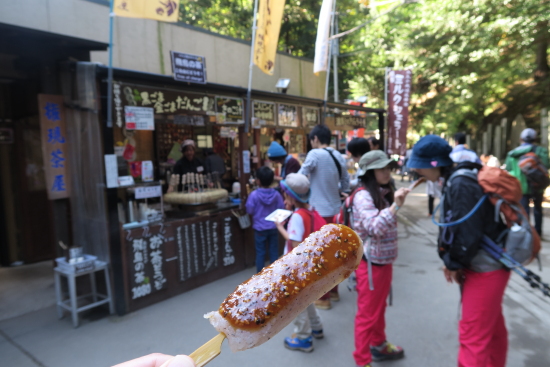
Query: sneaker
(334,296)
(317,334)
(323,304)
(303,345)
(387,351)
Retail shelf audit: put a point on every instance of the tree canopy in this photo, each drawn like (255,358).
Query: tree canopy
(473,62)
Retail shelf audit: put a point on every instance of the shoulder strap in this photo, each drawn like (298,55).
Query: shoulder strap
(464,172)
(335,162)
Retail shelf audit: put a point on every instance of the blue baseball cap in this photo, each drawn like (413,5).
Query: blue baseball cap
(430,152)
(276,150)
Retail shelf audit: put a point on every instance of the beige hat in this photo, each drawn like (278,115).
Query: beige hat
(374,159)
(297,185)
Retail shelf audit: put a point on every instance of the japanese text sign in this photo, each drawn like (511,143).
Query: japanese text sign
(188,68)
(264,114)
(399,88)
(163,101)
(54,145)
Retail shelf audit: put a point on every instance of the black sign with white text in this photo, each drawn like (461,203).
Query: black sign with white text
(188,68)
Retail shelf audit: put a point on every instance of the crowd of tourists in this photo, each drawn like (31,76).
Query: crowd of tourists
(318,192)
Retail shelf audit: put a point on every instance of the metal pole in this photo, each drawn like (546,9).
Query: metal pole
(335,53)
(248,115)
(329,58)
(385,136)
(110,73)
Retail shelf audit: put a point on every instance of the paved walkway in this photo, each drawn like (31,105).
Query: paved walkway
(423,320)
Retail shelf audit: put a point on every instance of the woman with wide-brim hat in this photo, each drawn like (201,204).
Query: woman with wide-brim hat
(375,208)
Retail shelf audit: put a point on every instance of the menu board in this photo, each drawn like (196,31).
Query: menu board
(310,116)
(288,115)
(264,114)
(146,247)
(229,110)
(197,248)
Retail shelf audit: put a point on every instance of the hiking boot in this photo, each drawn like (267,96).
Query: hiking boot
(317,334)
(323,304)
(386,351)
(303,345)
(334,296)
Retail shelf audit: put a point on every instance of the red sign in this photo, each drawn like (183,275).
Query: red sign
(399,88)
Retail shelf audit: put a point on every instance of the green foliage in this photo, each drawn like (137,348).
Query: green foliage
(469,58)
(473,61)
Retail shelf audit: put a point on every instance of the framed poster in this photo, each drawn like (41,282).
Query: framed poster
(229,110)
(287,115)
(310,116)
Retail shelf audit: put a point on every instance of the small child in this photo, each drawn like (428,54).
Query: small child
(302,222)
(259,205)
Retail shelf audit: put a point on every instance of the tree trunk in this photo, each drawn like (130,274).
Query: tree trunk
(541,42)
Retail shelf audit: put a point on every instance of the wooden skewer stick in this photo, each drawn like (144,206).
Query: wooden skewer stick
(204,354)
(208,351)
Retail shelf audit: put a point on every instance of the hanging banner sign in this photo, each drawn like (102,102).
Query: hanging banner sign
(399,89)
(288,115)
(139,118)
(163,102)
(264,114)
(188,68)
(229,110)
(54,145)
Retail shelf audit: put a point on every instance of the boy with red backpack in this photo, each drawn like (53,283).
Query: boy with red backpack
(302,222)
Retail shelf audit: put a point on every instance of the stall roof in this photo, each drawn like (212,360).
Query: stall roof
(167,81)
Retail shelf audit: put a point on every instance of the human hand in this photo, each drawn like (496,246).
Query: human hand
(451,276)
(344,195)
(278,178)
(158,360)
(400,195)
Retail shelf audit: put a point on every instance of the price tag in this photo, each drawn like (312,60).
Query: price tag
(147,192)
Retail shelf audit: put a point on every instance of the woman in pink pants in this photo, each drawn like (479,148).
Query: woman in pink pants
(375,206)
(482,330)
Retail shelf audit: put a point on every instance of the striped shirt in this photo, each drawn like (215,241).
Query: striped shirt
(323,176)
(378,225)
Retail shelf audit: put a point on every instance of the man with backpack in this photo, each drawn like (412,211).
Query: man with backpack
(328,175)
(529,164)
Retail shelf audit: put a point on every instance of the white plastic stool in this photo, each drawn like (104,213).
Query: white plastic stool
(71,303)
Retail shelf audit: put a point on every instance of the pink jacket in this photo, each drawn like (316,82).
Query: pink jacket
(378,226)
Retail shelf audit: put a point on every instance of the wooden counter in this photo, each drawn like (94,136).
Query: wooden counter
(166,259)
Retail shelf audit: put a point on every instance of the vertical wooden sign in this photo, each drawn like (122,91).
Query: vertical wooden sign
(54,145)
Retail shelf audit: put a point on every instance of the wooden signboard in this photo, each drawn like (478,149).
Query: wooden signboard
(54,145)
(169,258)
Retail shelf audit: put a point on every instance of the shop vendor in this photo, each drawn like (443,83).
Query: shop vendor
(188,163)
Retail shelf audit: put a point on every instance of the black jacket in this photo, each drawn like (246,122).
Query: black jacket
(465,238)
